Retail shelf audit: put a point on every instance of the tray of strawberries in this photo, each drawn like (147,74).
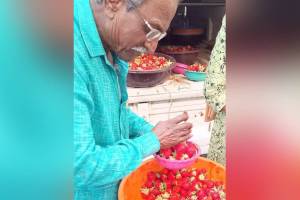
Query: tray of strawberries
(148,70)
(196,72)
(204,180)
(197,67)
(150,62)
(178,49)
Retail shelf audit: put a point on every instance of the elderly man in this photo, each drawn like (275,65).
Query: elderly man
(110,141)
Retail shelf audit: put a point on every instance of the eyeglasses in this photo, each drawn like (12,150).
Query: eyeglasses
(153,34)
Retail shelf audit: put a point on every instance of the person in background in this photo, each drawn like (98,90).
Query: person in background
(214,91)
(110,141)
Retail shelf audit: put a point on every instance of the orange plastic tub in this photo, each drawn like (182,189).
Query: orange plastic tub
(130,186)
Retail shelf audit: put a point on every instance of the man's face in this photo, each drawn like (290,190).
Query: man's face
(129,29)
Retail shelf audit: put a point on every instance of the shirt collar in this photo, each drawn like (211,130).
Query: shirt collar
(89,30)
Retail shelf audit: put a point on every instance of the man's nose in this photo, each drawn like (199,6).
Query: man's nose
(151,46)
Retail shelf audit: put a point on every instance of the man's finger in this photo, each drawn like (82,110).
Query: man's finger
(184,133)
(186,137)
(180,118)
(183,126)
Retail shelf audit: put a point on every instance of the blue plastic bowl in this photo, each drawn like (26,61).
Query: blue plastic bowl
(195,76)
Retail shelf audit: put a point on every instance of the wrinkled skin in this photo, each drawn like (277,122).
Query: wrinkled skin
(121,30)
(173,131)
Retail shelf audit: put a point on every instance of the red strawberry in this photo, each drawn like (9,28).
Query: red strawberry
(173,171)
(155,191)
(157,184)
(186,186)
(191,149)
(165,171)
(166,153)
(178,156)
(180,148)
(219,183)
(151,197)
(174,182)
(151,176)
(210,184)
(203,171)
(215,196)
(148,184)
(186,179)
(180,182)
(168,183)
(201,194)
(171,177)
(164,177)
(176,189)
(183,193)
(174,197)
(185,174)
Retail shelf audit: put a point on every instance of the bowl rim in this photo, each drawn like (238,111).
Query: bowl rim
(195,72)
(156,71)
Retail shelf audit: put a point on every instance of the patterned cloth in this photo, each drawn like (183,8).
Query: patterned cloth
(215,96)
(110,141)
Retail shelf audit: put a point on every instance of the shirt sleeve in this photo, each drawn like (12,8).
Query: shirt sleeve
(215,89)
(137,125)
(97,165)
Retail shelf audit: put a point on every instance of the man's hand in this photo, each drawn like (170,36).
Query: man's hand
(173,131)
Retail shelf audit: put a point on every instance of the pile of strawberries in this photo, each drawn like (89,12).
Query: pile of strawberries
(197,67)
(181,184)
(181,151)
(149,62)
(178,48)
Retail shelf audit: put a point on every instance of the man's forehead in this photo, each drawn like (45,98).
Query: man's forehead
(159,12)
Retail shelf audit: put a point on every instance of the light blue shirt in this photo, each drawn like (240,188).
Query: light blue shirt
(110,141)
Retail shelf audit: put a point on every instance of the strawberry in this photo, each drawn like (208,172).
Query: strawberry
(203,171)
(168,184)
(176,189)
(215,195)
(174,197)
(151,197)
(155,192)
(151,176)
(148,184)
(164,177)
(157,184)
(166,153)
(186,186)
(180,148)
(165,171)
(210,184)
(183,193)
(191,149)
(201,194)
(171,177)
(185,174)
